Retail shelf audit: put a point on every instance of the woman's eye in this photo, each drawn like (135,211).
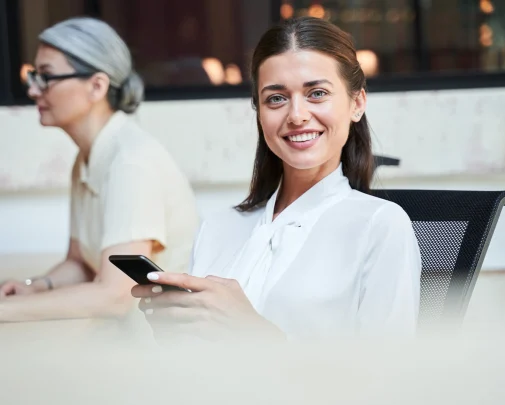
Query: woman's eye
(276,99)
(318,94)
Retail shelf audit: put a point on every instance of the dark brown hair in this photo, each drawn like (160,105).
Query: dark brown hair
(318,35)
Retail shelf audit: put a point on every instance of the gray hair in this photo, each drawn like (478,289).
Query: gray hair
(91,46)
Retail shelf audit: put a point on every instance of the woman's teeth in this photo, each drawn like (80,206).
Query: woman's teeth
(303,137)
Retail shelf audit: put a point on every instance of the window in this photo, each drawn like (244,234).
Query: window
(201,48)
(189,43)
(187,48)
(411,36)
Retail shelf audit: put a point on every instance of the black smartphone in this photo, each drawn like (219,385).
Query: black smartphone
(137,267)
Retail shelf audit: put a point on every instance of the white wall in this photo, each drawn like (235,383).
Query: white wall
(445,133)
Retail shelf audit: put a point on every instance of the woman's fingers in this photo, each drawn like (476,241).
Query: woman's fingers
(7,288)
(184,281)
(142,291)
(176,281)
(152,290)
(170,299)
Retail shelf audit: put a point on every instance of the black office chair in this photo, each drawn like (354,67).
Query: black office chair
(453,229)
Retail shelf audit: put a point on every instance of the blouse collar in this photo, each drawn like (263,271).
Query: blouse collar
(333,186)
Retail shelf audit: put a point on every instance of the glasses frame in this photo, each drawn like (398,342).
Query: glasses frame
(41,80)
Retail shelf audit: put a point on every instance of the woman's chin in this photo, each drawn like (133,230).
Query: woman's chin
(317,163)
(303,165)
(46,121)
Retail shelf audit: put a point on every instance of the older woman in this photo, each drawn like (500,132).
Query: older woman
(127,196)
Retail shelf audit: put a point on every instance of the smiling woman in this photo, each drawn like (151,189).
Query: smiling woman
(308,254)
(285,108)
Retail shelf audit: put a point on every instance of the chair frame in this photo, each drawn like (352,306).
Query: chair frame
(458,307)
(497,211)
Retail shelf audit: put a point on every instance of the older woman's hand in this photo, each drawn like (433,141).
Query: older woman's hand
(14,287)
(215,309)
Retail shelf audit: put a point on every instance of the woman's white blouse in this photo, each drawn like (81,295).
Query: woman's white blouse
(335,262)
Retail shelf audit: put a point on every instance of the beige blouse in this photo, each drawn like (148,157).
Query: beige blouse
(131,190)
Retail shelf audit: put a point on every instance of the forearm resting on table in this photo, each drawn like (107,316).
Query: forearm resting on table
(84,300)
(108,295)
(73,270)
(69,272)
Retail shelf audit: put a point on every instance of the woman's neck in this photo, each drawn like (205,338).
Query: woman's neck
(297,182)
(85,131)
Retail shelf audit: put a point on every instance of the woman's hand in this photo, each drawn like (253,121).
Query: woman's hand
(14,287)
(215,309)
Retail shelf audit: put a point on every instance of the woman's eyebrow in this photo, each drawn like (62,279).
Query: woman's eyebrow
(312,83)
(274,87)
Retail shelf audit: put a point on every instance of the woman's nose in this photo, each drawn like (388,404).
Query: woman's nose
(33,91)
(298,111)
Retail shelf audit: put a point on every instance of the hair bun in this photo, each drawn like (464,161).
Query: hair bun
(131,93)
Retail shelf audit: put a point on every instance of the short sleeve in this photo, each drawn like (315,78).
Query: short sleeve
(390,288)
(133,206)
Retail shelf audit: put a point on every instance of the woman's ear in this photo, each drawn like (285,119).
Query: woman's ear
(358,106)
(99,86)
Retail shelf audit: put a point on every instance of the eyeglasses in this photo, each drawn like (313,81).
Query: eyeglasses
(41,80)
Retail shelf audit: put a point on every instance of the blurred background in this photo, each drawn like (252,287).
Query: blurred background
(436,78)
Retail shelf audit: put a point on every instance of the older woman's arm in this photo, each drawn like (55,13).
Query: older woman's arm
(108,295)
(72,270)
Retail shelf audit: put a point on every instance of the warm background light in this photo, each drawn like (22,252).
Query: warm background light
(486,6)
(486,35)
(316,10)
(215,70)
(232,74)
(287,11)
(368,61)
(23,72)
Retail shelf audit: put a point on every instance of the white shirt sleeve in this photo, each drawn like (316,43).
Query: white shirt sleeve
(390,284)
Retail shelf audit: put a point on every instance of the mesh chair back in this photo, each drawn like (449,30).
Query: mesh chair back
(453,229)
